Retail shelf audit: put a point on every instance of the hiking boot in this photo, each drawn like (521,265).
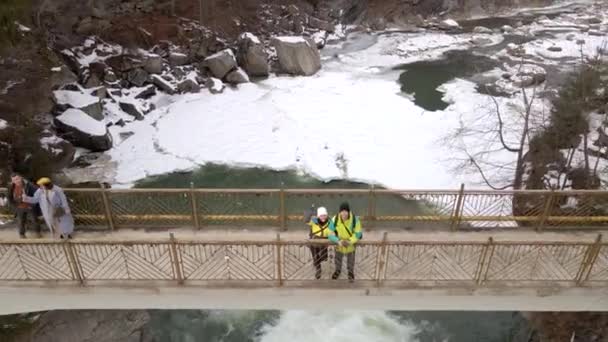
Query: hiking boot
(335,276)
(318,274)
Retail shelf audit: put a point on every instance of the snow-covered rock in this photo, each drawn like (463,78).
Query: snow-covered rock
(153,64)
(131,109)
(215,86)
(89,104)
(177,59)
(137,77)
(507,29)
(297,56)
(252,56)
(163,84)
(528,75)
(146,93)
(320,24)
(449,24)
(221,63)
(237,76)
(3,124)
(482,30)
(82,130)
(188,86)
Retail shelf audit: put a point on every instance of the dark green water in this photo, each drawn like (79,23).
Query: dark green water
(221,176)
(423,78)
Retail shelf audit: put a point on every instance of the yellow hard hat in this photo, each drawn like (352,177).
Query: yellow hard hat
(44,181)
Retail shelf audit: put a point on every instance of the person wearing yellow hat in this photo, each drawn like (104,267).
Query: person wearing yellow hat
(55,207)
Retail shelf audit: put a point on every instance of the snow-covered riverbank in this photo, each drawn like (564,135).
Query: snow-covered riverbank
(349,120)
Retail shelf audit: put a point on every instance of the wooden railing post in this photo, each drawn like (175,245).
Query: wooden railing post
(481,273)
(282,210)
(73,262)
(177,269)
(456,213)
(279,260)
(371,204)
(546,210)
(107,208)
(589,260)
(381,263)
(193,202)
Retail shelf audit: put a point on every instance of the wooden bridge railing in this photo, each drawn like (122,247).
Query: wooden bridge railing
(283,208)
(277,262)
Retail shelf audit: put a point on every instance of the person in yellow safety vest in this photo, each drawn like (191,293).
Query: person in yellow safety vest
(319,229)
(345,232)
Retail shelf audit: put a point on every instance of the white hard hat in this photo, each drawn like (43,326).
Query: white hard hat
(321,211)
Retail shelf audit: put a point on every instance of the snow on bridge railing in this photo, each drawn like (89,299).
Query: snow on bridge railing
(481,263)
(378,208)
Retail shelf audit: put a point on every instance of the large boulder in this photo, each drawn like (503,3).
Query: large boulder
(124,63)
(297,56)
(131,109)
(215,86)
(321,24)
(449,24)
(82,130)
(163,84)
(89,104)
(146,93)
(137,77)
(221,63)
(482,30)
(251,55)
(177,59)
(237,76)
(188,86)
(153,64)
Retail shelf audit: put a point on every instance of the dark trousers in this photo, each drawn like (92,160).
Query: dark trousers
(24,215)
(319,254)
(350,265)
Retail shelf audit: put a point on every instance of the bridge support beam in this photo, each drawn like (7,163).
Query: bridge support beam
(154,295)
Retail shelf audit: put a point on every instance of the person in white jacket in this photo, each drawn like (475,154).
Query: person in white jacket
(54,206)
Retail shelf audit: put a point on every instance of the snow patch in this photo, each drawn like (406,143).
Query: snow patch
(22,28)
(250,36)
(290,39)
(83,122)
(74,98)
(3,124)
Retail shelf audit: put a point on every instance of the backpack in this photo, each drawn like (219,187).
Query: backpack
(353,223)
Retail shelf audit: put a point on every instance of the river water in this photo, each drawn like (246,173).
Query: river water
(322,326)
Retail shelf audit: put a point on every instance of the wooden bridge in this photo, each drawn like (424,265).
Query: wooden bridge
(378,208)
(550,254)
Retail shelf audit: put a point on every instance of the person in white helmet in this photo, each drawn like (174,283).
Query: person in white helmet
(320,228)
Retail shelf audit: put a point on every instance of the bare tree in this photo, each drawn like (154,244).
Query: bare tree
(495,132)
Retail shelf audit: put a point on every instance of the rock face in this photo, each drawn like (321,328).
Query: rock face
(251,56)
(82,130)
(297,56)
(221,63)
(237,76)
(89,104)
